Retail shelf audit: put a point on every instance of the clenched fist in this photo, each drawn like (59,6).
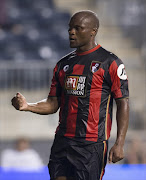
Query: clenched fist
(19,102)
(116,153)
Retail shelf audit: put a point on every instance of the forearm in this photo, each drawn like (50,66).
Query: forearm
(44,107)
(122,117)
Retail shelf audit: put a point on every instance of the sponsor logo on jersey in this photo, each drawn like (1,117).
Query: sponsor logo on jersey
(121,72)
(75,85)
(66,67)
(94,66)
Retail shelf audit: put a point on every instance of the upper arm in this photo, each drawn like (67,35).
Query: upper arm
(122,109)
(123,102)
(117,79)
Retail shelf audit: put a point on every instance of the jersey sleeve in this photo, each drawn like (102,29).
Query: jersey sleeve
(118,79)
(55,90)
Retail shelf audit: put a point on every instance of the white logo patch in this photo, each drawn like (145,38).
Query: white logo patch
(121,72)
(66,68)
(75,85)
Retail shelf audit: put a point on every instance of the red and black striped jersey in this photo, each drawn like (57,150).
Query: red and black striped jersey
(86,84)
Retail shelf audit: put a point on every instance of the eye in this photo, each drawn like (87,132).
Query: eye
(77,28)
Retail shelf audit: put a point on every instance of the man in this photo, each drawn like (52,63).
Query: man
(21,158)
(83,87)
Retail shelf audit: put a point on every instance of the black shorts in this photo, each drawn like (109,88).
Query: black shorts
(83,162)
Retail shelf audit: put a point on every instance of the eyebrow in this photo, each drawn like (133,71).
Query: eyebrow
(75,25)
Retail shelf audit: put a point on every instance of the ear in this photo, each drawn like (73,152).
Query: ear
(94,32)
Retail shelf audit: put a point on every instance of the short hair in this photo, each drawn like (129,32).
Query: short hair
(91,15)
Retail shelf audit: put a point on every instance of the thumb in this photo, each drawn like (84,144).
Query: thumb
(110,156)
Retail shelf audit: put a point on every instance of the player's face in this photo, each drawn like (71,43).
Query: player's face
(80,33)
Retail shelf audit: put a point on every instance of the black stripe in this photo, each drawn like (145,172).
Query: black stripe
(102,112)
(63,124)
(83,103)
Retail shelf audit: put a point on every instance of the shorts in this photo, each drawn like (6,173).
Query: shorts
(82,162)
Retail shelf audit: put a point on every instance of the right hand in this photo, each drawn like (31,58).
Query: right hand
(19,102)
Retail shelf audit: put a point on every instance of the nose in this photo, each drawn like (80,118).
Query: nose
(71,31)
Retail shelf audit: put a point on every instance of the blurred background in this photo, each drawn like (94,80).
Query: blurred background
(34,36)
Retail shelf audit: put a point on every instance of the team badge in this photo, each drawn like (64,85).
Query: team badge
(66,68)
(75,85)
(94,66)
(121,72)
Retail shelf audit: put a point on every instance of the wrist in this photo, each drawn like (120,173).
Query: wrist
(25,107)
(120,142)
(29,107)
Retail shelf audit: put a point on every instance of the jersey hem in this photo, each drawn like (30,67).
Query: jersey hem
(122,98)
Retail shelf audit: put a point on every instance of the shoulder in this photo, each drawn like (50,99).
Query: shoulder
(110,58)
(8,152)
(109,55)
(66,57)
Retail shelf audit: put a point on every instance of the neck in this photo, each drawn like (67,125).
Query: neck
(87,47)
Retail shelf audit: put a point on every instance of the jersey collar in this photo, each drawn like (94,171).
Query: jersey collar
(89,51)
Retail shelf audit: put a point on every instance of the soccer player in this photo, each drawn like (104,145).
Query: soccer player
(83,87)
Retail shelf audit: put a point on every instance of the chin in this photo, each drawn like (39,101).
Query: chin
(73,45)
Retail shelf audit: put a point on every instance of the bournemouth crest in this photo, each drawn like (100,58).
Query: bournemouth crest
(94,66)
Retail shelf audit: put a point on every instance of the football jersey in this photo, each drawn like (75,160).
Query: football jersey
(86,84)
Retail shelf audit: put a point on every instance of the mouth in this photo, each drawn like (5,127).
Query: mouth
(71,39)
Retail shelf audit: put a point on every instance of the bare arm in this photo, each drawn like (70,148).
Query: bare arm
(117,151)
(44,107)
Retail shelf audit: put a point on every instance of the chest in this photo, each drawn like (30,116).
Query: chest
(79,77)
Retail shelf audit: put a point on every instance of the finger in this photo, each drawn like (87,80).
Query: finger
(116,158)
(13,99)
(16,106)
(15,103)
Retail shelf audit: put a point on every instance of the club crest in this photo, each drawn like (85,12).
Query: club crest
(94,66)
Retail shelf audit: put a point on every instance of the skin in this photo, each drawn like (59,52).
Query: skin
(44,107)
(122,116)
(22,144)
(83,28)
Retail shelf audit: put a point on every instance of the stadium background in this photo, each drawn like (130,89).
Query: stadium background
(33,37)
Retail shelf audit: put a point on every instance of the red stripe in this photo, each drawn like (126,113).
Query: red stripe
(94,106)
(53,84)
(116,84)
(73,106)
(78,69)
(72,116)
(61,75)
(89,51)
(109,124)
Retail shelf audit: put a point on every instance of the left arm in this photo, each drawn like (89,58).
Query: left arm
(122,116)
